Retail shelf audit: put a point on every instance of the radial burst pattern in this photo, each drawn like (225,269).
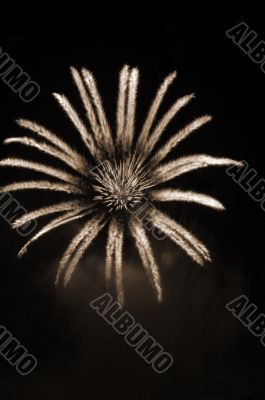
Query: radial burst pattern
(113,182)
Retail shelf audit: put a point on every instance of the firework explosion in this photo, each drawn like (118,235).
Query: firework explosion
(114,176)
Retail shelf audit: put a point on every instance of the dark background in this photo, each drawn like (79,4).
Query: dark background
(79,355)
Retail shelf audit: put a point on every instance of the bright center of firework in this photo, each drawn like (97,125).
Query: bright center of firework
(120,184)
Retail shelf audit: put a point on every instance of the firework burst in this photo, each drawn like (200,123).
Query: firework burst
(114,176)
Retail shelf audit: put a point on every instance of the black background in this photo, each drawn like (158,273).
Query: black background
(79,355)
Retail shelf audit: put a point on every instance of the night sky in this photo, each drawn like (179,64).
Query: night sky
(79,355)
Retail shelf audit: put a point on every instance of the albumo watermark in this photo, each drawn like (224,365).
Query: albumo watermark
(11,209)
(134,334)
(16,354)
(247,178)
(248,41)
(247,313)
(18,80)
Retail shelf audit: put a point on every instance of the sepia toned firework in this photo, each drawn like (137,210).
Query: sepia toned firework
(113,177)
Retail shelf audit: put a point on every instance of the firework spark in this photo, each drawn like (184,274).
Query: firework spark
(115,175)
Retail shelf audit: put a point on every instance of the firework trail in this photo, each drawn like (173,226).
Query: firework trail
(114,176)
